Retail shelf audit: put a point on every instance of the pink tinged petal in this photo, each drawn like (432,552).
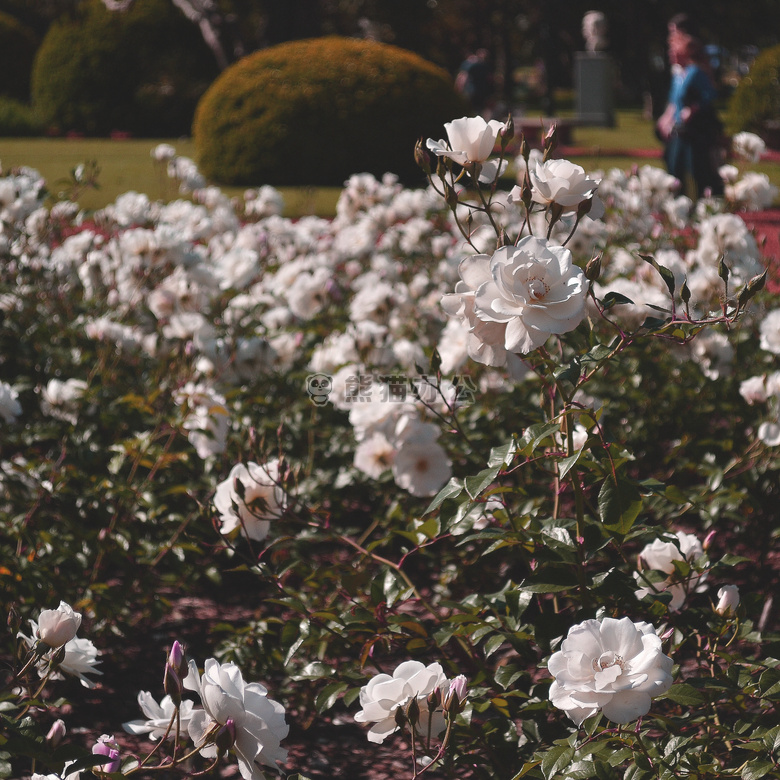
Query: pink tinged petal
(475,271)
(557,664)
(586,638)
(607,676)
(579,665)
(519,339)
(390,691)
(221,706)
(627,706)
(622,636)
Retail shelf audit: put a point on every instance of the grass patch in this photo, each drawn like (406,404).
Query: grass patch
(128,165)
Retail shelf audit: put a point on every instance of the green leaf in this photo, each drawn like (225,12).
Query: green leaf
(683,693)
(570,373)
(619,505)
(556,759)
(756,768)
(614,299)
(507,674)
(326,698)
(534,434)
(502,456)
(493,644)
(480,482)
(565,465)
(665,273)
(451,490)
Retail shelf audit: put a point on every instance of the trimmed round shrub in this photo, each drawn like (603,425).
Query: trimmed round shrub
(141,71)
(17,51)
(317,111)
(756,99)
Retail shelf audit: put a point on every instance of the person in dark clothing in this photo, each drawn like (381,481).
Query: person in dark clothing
(475,81)
(690,127)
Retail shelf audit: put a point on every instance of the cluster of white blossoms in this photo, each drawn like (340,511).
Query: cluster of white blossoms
(233,715)
(661,555)
(428,687)
(59,650)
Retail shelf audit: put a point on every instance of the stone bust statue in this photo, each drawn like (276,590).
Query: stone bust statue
(594,30)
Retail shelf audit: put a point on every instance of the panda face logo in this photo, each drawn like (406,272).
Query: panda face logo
(319,387)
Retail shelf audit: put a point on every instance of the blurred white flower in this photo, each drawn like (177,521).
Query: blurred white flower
(374,455)
(769,332)
(163,152)
(206,420)
(615,666)
(10,408)
(420,465)
(661,555)
(748,146)
(249,499)
(259,721)
(753,192)
(60,399)
(769,433)
(753,390)
(561,182)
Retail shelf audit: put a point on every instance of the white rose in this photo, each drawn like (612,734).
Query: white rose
(57,627)
(259,721)
(263,499)
(471,140)
(616,666)
(561,182)
(385,693)
(535,290)
(660,556)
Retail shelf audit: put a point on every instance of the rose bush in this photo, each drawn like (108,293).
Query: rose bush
(467,490)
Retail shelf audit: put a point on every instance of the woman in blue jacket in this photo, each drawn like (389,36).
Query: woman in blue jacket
(690,127)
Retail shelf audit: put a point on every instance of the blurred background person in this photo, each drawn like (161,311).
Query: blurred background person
(689,126)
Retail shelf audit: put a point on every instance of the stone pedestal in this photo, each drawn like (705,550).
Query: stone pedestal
(594,87)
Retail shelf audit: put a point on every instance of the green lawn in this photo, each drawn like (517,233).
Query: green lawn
(128,165)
